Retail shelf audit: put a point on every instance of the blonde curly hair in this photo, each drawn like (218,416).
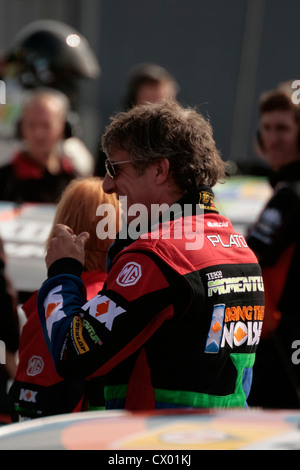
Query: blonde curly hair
(77,209)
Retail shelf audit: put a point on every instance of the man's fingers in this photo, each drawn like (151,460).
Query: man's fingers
(82,238)
(65,244)
(61,230)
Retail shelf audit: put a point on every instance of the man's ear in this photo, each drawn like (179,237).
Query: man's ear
(162,170)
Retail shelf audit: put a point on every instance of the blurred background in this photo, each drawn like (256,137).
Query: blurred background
(223,53)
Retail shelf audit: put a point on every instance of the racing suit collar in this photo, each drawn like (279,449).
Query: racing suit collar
(203,196)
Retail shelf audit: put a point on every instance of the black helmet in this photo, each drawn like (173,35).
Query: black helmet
(51,53)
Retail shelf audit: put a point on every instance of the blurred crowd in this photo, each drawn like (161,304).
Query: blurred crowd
(43,160)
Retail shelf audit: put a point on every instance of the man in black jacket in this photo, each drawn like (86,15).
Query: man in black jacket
(275,240)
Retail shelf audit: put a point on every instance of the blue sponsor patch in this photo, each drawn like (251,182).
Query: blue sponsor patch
(215,331)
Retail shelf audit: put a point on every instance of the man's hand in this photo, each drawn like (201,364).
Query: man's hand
(65,244)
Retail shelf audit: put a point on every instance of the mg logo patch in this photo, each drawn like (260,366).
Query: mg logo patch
(35,366)
(129,275)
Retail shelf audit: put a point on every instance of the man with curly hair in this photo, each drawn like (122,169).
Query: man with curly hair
(178,322)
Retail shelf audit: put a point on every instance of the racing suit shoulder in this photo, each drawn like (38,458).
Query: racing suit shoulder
(205,240)
(75,329)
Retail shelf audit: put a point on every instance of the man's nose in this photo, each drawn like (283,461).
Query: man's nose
(108,184)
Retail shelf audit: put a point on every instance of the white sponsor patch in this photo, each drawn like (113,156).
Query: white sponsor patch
(103,309)
(28,395)
(53,308)
(217,224)
(130,274)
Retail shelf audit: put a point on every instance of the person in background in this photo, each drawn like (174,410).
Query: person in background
(274,237)
(147,82)
(178,325)
(48,53)
(37,389)
(39,172)
(9,335)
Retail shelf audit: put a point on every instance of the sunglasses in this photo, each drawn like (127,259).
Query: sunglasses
(110,167)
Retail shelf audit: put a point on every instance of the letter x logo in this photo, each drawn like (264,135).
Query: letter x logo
(103,309)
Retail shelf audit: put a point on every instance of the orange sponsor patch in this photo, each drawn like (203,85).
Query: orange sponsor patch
(239,334)
(102,308)
(50,308)
(216,327)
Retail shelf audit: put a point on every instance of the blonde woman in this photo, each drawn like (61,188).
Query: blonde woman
(36,372)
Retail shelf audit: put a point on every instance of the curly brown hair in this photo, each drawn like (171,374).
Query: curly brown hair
(167,130)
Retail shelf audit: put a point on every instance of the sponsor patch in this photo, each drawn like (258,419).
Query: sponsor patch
(235,284)
(234,326)
(215,331)
(28,395)
(35,366)
(129,275)
(104,310)
(217,224)
(53,308)
(233,240)
(236,334)
(79,341)
(90,330)
(206,200)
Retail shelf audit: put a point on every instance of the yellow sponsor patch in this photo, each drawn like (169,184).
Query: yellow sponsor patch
(79,341)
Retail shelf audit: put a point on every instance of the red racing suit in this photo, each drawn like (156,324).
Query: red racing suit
(173,326)
(24,180)
(37,389)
